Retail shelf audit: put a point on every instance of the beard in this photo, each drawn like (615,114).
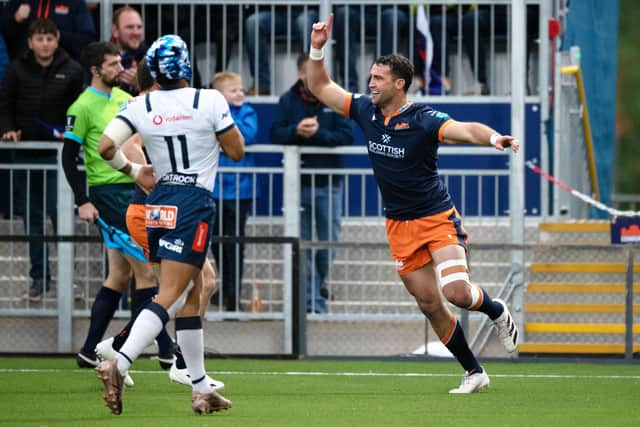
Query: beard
(111,83)
(132,46)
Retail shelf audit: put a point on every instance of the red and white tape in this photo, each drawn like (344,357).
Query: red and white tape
(589,200)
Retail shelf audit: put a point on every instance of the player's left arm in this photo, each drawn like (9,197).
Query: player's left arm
(227,133)
(232,143)
(453,132)
(114,135)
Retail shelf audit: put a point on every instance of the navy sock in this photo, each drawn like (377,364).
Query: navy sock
(457,345)
(142,298)
(122,336)
(104,306)
(165,343)
(180,363)
(489,306)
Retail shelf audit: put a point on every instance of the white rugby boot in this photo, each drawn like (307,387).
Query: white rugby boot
(182,376)
(472,383)
(506,328)
(105,351)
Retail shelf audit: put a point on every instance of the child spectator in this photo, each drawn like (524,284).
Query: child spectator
(233,192)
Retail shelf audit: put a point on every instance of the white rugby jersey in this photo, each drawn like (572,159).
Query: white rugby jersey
(179,128)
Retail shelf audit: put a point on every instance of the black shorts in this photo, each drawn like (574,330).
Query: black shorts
(112,201)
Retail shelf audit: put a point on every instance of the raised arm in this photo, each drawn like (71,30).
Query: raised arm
(477,133)
(320,84)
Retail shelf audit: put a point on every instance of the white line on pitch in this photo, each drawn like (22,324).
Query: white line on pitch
(341,374)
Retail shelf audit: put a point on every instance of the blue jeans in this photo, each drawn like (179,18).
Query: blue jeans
(326,210)
(387,18)
(261,23)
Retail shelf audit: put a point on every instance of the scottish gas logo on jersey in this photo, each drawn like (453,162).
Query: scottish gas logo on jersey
(383,148)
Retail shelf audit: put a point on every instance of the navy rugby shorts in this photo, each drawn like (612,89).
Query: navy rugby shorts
(179,222)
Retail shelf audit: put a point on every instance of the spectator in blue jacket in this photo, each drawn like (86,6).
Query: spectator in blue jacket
(233,192)
(302,120)
(72,17)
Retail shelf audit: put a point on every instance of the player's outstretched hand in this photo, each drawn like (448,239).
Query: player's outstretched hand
(320,32)
(505,141)
(146,178)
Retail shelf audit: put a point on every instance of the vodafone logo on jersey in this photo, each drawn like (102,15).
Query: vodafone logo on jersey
(178,118)
(158,119)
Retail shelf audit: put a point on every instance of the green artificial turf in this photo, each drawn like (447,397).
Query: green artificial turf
(53,391)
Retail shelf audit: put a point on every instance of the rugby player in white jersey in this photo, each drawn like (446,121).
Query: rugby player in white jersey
(184,130)
(107,349)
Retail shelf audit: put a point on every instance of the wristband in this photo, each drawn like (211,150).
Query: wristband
(316,54)
(494,139)
(118,161)
(134,170)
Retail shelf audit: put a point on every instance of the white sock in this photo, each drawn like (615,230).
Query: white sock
(191,342)
(143,331)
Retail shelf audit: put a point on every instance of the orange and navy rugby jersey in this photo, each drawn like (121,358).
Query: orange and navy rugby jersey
(403,149)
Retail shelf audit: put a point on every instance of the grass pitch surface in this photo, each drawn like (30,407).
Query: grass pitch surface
(54,392)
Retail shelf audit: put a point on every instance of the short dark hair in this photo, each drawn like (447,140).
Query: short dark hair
(145,81)
(401,68)
(93,54)
(115,19)
(42,26)
(164,81)
(302,59)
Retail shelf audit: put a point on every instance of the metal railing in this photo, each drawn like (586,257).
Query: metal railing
(472,43)
(270,264)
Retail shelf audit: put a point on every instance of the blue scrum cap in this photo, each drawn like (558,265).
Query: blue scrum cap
(169,56)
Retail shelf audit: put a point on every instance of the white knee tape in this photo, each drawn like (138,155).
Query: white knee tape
(176,306)
(458,274)
(475,296)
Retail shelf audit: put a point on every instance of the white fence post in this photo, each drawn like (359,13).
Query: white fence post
(65,260)
(291,213)
(516,179)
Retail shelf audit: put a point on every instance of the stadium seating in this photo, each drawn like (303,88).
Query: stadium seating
(575,299)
